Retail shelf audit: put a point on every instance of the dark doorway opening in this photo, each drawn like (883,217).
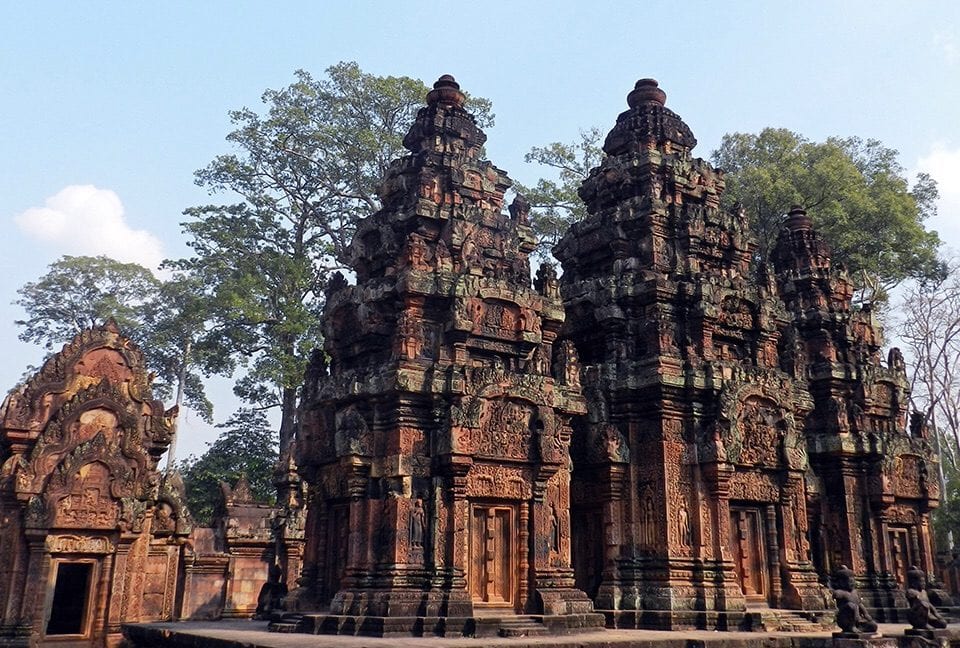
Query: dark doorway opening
(68,611)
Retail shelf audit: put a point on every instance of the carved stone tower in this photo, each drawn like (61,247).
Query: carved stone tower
(874,481)
(436,445)
(691,459)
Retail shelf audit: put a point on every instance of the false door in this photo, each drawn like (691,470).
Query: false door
(747,549)
(901,554)
(493,555)
(336,549)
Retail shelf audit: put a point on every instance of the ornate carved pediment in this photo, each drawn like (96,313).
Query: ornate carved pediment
(505,430)
(97,417)
(93,356)
(99,408)
(88,485)
(753,428)
(88,502)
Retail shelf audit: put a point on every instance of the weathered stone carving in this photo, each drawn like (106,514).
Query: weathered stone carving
(852,617)
(922,615)
(79,444)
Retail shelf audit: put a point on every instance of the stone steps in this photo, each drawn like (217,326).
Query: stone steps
(521,626)
(780,620)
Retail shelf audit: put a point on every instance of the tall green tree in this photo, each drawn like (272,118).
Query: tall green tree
(856,192)
(81,292)
(299,178)
(246,446)
(554,202)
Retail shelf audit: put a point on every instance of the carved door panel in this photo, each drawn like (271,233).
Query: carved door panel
(748,551)
(900,554)
(493,560)
(337,548)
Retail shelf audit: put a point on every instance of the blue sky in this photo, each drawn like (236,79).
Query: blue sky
(111,106)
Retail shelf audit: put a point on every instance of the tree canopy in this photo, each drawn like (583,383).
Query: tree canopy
(246,446)
(162,317)
(930,333)
(300,177)
(554,202)
(81,292)
(854,190)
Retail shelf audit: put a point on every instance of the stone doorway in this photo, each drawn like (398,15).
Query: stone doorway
(749,553)
(587,548)
(69,607)
(492,573)
(901,554)
(336,549)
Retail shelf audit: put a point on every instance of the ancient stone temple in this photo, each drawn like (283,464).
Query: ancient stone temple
(93,536)
(743,439)
(90,539)
(436,446)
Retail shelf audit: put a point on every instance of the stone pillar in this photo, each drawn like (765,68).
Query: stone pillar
(35,589)
(776,585)
(886,561)
(524,557)
(926,543)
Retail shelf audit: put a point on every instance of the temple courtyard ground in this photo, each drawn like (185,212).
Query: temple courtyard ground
(253,634)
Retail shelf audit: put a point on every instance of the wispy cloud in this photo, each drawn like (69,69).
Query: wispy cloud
(85,220)
(946,43)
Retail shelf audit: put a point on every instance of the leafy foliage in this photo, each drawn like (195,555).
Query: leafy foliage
(554,203)
(247,446)
(304,173)
(162,317)
(855,191)
(81,292)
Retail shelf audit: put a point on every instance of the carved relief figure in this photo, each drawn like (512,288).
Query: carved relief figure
(417,523)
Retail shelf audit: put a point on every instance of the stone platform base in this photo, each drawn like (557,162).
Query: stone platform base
(475,626)
(679,620)
(253,634)
(862,640)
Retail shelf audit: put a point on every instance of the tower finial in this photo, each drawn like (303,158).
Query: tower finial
(646,91)
(797,219)
(446,91)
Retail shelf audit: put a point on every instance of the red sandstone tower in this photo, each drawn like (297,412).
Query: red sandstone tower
(693,457)
(436,446)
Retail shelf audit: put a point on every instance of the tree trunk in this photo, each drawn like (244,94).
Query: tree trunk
(288,417)
(181,386)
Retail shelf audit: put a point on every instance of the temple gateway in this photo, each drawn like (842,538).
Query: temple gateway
(667,434)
